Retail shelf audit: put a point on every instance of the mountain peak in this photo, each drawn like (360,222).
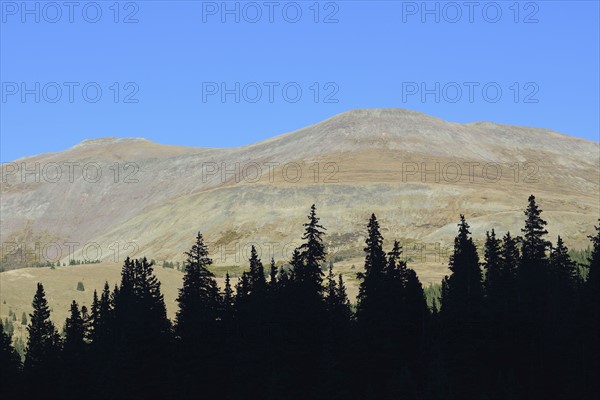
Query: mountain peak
(108,140)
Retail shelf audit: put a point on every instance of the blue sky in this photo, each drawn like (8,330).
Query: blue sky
(200,74)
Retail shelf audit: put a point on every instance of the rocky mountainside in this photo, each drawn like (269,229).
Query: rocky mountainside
(119,197)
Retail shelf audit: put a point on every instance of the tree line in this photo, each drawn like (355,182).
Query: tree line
(522,323)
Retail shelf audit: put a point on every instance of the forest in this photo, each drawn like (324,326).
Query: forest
(521,321)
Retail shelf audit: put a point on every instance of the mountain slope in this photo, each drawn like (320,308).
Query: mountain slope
(352,164)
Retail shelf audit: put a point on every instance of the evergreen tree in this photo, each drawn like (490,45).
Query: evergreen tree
(591,342)
(312,252)
(197,322)
(94,320)
(371,299)
(199,297)
(74,332)
(563,269)
(593,277)
(337,304)
(228,298)
(256,275)
(509,260)
(23,318)
(493,266)
(462,313)
(140,324)
(10,363)
(533,306)
(43,345)
(534,245)
(73,354)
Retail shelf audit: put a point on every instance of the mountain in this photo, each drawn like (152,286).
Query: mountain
(353,164)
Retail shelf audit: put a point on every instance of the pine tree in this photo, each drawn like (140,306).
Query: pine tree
(592,318)
(509,260)
(462,315)
(332,300)
(533,264)
(493,266)
(371,296)
(43,344)
(198,324)
(593,278)
(533,306)
(94,319)
(199,297)
(228,298)
(396,267)
(23,318)
(256,274)
(74,343)
(563,268)
(73,354)
(141,334)
(534,245)
(10,363)
(312,252)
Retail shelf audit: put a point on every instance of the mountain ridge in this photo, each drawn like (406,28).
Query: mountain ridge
(416,172)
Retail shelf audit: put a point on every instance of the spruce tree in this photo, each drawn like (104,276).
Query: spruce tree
(591,316)
(533,305)
(534,245)
(43,345)
(371,296)
(228,298)
(312,252)
(199,297)
(462,315)
(593,276)
(493,266)
(563,268)
(197,323)
(74,355)
(256,274)
(10,362)
(74,333)
(142,334)
(330,291)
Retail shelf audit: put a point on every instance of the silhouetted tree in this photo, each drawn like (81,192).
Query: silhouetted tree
(533,284)
(199,297)
(196,322)
(228,299)
(43,347)
(591,316)
(462,313)
(140,324)
(371,299)
(73,355)
(10,364)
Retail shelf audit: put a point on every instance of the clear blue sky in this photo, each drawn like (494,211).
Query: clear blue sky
(361,54)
